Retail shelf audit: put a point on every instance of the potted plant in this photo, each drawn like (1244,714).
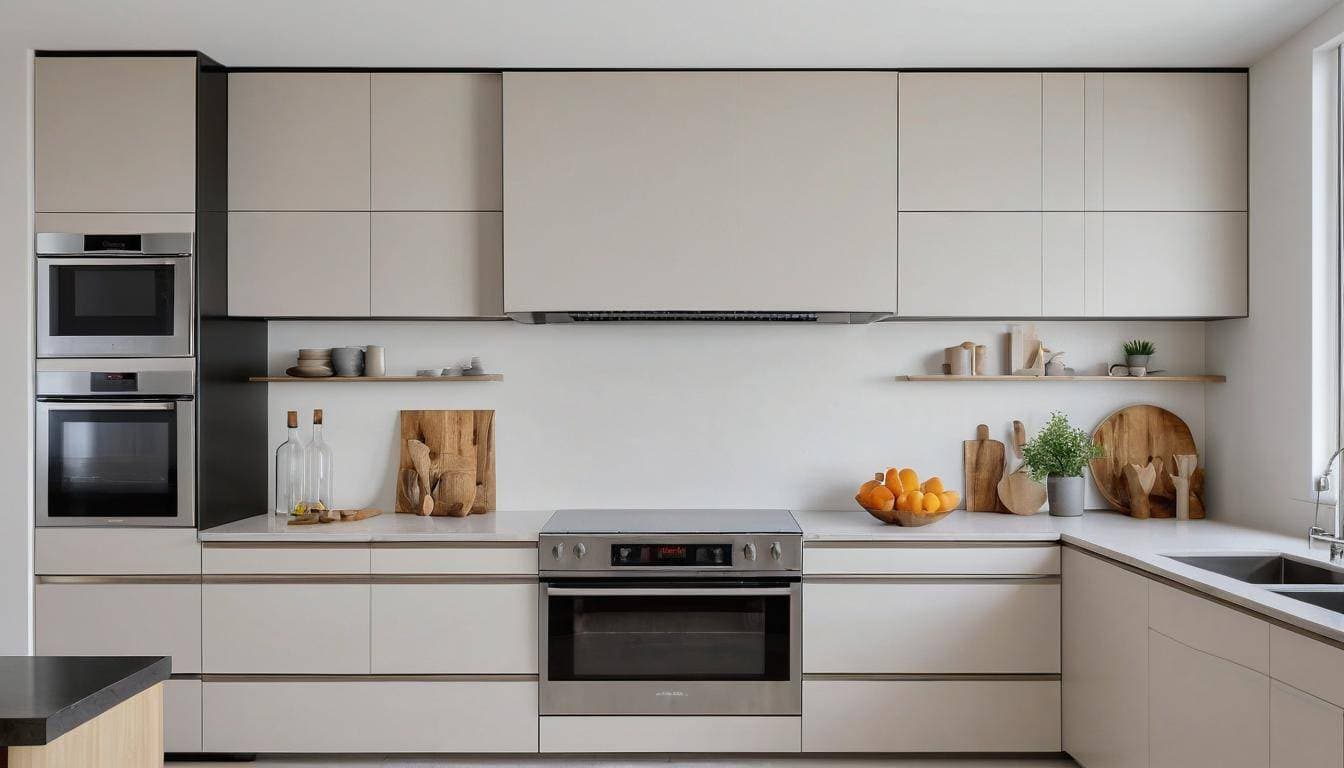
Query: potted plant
(1138,351)
(1058,454)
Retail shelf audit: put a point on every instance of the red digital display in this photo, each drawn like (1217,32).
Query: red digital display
(669,552)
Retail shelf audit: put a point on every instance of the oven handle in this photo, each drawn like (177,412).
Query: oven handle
(668,592)
(119,406)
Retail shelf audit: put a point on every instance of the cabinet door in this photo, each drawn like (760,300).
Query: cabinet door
(436,141)
(115,134)
(298,141)
(467,629)
(1204,710)
(1304,732)
(1174,264)
(970,265)
(437,265)
(74,619)
(1105,661)
(182,716)
(278,628)
(970,141)
(299,264)
(1174,141)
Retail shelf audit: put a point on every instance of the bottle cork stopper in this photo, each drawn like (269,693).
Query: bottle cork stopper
(293,419)
(317,416)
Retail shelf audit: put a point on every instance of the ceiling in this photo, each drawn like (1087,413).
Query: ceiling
(680,33)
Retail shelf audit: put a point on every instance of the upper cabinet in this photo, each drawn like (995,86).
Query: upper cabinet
(115,134)
(436,142)
(708,191)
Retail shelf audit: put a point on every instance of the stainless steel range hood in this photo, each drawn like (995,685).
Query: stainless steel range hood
(731,316)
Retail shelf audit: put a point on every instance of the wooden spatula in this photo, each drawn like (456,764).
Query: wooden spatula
(1018,492)
(982,460)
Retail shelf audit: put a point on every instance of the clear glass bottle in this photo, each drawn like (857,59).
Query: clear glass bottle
(318,475)
(289,469)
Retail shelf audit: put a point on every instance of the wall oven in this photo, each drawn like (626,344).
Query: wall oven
(116,448)
(115,295)
(679,623)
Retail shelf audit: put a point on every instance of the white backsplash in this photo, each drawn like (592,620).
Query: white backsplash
(723,415)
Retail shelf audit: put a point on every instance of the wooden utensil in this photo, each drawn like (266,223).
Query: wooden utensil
(982,461)
(351,515)
(454,472)
(1018,493)
(1180,481)
(1144,434)
(1139,480)
(424,472)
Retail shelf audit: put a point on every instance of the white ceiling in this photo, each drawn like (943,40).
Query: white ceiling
(680,33)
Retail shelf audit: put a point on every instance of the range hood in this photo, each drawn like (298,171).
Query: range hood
(665,316)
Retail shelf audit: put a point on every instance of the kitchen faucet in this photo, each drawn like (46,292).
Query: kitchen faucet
(1317,533)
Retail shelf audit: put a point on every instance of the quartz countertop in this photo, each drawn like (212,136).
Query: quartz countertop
(502,526)
(44,697)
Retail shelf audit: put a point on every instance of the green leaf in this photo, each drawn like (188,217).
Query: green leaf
(1059,449)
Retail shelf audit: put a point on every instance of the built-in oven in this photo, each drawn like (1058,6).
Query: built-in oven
(670,625)
(115,295)
(116,448)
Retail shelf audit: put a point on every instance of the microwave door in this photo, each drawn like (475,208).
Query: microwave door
(114,307)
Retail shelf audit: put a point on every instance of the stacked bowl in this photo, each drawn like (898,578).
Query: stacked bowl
(313,364)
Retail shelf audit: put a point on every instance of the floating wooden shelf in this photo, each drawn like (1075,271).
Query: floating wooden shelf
(1203,379)
(378,379)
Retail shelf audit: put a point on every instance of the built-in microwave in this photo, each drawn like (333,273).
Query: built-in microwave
(116,447)
(115,295)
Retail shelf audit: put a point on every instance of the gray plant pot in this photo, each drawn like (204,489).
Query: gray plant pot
(1137,361)
(1066,495)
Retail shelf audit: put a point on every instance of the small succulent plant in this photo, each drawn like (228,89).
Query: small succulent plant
(1139,347)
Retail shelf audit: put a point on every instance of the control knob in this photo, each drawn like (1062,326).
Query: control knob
(776,551)
(749,551)
(580,550)
(558,551)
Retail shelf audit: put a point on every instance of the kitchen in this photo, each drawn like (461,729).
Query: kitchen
(702,296)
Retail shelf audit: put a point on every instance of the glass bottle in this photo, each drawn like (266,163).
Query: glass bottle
(317,477)
(289,467)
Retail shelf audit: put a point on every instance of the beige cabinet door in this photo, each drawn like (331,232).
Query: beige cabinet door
(437,265)
(436,142)
(1174,264)
(114,134)
(1174,141)
(276,628)
(1105,661)
(700,191)
(424,629)
(1203,710)
(110,619)
(182,716)
(970,264)
(970,141)
(298,141)
(1304,732)
(299,264)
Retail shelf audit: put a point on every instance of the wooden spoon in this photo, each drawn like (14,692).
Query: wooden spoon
(1018,492)
(420,459)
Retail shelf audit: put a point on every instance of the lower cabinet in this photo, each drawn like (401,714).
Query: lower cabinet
(931,715)
(1204,710)
(1304,732)
(182,716)
(639,734)
(120,619)
(468,628)
(343,715)
(289,628)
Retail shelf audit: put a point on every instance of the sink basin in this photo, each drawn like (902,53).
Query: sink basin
(1331,600)
(1265,569)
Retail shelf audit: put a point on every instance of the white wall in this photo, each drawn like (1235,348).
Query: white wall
(1272,420)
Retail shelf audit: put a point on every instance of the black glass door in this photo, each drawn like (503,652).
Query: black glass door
(111,463)
(112,300)
(657,634)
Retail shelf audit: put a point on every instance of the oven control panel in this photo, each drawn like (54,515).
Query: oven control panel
(672,555)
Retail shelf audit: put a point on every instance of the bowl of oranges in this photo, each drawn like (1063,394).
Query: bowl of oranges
(897,497)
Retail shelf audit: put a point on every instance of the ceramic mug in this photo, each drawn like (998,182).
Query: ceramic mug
(348,361)
(375,361)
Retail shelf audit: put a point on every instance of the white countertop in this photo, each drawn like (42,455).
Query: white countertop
(502,526)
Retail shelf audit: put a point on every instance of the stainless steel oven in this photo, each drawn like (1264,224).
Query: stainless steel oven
(115,295)
(116,448)
(670,623)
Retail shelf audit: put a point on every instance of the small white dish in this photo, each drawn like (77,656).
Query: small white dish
(428,372)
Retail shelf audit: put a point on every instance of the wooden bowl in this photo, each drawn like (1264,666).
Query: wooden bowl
(908,519)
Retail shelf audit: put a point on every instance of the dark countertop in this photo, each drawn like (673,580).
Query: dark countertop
(43,697)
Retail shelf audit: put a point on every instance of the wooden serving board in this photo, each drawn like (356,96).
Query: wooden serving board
(1141,434)
(982,463)
(461,457)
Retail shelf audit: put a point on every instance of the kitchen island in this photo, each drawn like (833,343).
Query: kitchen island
(82,711)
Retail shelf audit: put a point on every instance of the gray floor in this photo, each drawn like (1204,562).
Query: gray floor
(403,761)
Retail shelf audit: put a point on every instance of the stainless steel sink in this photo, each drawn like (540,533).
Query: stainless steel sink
(1265,569)
(1330,599)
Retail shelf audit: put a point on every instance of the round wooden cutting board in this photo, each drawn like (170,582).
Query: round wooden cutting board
(1136,435)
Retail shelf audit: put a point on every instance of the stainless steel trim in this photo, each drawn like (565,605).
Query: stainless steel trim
(185,578)
(149,383)
(824,676)
(690,574)
(285,544)
(359,578)
(934,579)
(178,344)
(726,316)
(557,554)
(151,244)
(109,406)
(668,592)
(457,578)
(449,544)
(873,544)
(185,676)
(490,678)
(294,578)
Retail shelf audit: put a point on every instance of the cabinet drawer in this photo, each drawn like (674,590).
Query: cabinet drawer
(320,559)
(585,735)
(286,629)
(121,620)
(923,559)
(1310,665)
(931,716)
(944,627)
(116,551)
(182,716)
(478,628)
(392,716)
(1209,627)
(451,560)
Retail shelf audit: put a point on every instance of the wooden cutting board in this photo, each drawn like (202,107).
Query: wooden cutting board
(461,471)
(982,463)
(1018,493)
(1138,435)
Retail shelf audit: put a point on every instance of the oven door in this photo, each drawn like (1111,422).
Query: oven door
(698,647)
(114,307)
(116,463)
